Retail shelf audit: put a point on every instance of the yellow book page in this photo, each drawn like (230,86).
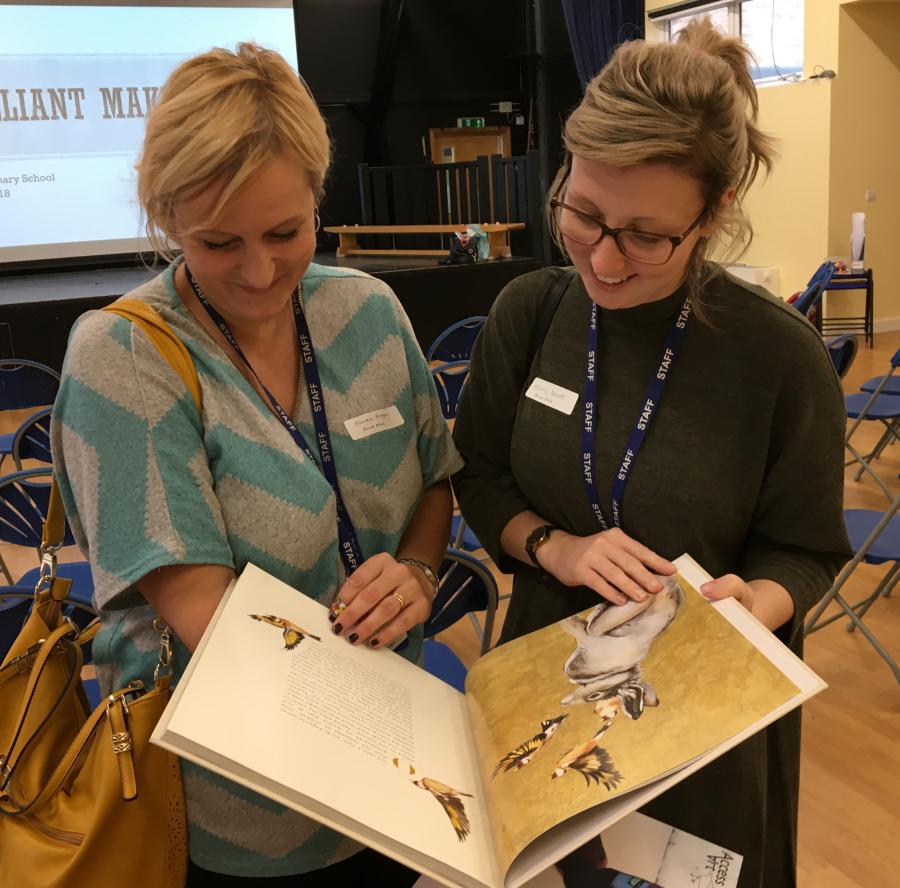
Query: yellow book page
(700,683)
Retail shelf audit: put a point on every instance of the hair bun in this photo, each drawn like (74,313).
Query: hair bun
(703,37)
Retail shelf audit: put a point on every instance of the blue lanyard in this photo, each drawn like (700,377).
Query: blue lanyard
(351,552)
(645,416)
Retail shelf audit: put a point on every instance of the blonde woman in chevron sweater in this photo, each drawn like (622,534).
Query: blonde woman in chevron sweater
(169,505)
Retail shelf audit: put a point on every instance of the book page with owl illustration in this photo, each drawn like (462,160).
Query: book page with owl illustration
(586,712)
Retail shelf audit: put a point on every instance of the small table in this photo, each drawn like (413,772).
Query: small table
(851,280)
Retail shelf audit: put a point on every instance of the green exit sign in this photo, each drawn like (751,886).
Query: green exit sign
(470,122)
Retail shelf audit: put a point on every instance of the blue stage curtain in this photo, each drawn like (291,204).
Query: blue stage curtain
(597,27)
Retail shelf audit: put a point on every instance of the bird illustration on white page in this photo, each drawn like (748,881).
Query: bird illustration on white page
(291,632)
(450,799)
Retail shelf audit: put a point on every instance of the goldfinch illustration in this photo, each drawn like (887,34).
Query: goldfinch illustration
(291,632)
(522,755)
(591,760)
(451,802)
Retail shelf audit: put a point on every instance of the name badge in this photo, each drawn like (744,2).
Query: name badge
(371,423)
(552,395)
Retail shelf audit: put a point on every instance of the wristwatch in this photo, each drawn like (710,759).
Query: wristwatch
(536,539)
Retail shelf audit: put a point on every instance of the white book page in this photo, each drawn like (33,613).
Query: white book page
(318,727)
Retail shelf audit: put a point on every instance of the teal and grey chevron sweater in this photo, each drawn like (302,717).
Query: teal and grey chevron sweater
(147,482)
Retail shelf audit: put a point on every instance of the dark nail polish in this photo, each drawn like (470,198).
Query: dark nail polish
(374,642)
(336,628)
(353,637)
(332,618)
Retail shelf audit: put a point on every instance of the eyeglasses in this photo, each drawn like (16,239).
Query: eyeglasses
(640,246)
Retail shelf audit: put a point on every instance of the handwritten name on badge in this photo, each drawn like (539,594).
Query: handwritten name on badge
(374,422)
(554,396)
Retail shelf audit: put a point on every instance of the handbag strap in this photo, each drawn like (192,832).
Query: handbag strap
(116,709)
(176,355)
(14,754)
(55,522)
(164,338)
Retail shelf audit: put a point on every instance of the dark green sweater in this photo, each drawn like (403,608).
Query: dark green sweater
(742,467)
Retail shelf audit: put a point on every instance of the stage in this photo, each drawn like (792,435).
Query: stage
(37,310)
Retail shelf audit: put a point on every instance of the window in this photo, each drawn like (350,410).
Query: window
(773,29)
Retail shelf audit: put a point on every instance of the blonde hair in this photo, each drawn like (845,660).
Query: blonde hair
(691,104)
(220,117)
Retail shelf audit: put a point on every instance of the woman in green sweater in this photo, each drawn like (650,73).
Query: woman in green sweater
(670,407)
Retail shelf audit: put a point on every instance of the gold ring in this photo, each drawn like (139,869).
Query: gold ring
(399,598)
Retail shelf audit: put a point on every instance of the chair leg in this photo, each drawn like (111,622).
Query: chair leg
(864,461)
(865,467)
(883,442)
(487,636)
(890,436)
(5,571)
(477,626)
(460,533)
(834,593)
(812,621)
(871,638)
(883,588)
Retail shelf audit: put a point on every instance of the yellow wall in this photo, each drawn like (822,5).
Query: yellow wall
(789,209)
(836,139)
(865,145)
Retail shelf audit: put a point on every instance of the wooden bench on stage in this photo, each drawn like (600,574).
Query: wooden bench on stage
(348,245)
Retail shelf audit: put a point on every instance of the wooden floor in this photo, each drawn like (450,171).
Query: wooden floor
(850,782)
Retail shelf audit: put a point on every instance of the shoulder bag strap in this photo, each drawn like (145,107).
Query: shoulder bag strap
(549,305)
(164,338)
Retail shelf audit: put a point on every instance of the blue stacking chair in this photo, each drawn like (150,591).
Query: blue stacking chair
(810,297)
(32,439)
(24,384)
(891,387)
(465,586)
(24,499)
(874,406)
(875,537)
(842,351)
(450,379)
(462,536)
(455,343)
(15,605)
(441,662)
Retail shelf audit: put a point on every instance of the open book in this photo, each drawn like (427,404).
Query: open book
(561,733)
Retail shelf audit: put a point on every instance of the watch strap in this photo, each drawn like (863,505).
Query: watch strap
(536,539)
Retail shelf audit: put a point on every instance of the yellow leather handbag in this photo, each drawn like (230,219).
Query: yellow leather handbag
(85,799)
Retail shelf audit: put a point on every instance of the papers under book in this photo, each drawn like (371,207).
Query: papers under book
(561,733)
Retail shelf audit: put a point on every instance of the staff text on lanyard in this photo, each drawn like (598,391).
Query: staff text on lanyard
(645,415)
